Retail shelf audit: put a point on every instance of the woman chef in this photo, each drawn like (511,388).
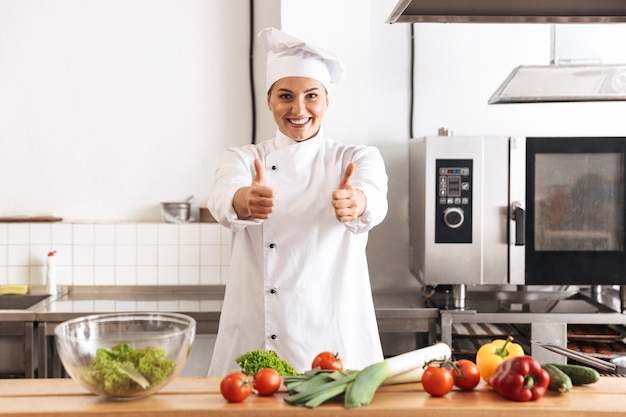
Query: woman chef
(300,207)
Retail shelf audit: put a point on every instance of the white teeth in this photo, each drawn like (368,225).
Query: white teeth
(299,121)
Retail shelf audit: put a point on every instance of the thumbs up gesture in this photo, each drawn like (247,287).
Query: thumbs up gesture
(257,200)
(348,202)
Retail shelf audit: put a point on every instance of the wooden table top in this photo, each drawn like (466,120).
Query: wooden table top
(199,396)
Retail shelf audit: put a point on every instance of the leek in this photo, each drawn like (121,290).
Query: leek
(370,378)
(414,375)
(316,386)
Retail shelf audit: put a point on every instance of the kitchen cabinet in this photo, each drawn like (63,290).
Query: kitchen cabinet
(17,334)
(200,396)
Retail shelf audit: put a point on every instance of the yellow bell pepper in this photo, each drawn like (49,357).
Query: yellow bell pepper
(490,355)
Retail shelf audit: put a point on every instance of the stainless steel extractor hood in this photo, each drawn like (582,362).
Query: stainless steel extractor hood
(576,71)
(562,83)
(509,11)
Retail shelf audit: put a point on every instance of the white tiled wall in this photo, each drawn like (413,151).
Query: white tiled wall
(116,253)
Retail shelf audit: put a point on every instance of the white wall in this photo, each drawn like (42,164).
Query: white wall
(108,107)
(459,66)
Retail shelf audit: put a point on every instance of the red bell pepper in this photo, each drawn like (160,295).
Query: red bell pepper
(520,379)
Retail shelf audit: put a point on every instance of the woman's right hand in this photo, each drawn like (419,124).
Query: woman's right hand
(257,200)
(349,203)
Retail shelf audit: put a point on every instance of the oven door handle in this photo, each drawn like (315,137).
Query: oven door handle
(518,214)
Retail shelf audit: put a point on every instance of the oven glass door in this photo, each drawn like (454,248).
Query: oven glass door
(575,218)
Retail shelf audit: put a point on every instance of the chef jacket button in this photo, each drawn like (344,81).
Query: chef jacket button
(274,167)
(273,337)
(273,291)
(272,245)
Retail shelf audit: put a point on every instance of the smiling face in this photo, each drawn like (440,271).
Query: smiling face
(298,105)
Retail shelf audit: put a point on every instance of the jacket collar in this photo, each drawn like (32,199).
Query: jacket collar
(283,140)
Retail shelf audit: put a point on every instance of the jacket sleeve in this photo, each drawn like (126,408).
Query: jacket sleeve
(370,177)
(235,170)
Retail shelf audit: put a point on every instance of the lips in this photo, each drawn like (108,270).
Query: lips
(300,121)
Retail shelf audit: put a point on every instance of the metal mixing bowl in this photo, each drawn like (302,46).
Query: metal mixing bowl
(176,212)
(125,355)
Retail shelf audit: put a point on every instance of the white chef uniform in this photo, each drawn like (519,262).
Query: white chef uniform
(299,281)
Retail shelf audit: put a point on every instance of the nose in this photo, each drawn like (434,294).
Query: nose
(299,106)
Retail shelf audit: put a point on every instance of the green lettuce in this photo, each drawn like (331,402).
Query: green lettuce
(252,361)
(125,371)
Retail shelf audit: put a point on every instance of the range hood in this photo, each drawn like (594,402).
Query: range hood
(509,11)
(577,81)
(562,83)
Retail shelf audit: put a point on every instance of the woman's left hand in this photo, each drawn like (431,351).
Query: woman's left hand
(349,203)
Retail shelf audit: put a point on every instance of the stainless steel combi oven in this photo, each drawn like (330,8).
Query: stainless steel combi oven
(518,210)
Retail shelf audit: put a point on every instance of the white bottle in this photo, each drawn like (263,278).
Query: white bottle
(51,273)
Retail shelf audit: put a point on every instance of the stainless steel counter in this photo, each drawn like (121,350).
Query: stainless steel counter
(204,303)
(399,312)
(396,312)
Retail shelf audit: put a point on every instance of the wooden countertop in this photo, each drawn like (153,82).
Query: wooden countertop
(199,396)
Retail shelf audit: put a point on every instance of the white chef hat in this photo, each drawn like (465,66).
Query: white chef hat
(290,57)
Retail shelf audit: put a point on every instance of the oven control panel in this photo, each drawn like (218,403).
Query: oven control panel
(453,207)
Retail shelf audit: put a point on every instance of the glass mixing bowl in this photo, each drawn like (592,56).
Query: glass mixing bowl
(125,355)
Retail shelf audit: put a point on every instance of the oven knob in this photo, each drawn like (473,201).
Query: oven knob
(453,217)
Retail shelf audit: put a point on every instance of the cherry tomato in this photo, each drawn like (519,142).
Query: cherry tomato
(437,381)
(466,374)
(235,387)
(267,381)
(328,361)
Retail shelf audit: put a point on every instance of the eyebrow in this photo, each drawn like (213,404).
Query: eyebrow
(306,91)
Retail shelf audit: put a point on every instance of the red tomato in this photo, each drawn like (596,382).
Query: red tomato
(328,361)
(235,387)
(267,381)
(437,381)
(466,374)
